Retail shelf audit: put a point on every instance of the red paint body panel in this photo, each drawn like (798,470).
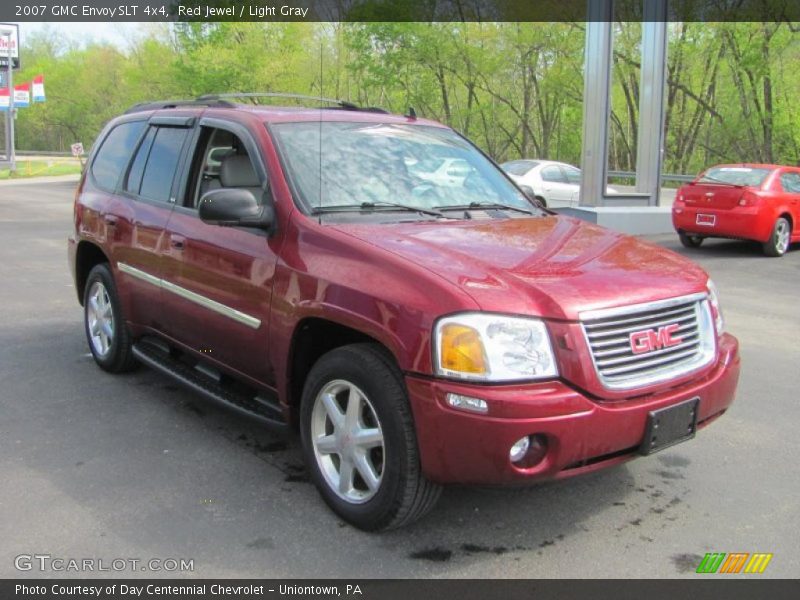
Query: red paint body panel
(392,282)
(752,221)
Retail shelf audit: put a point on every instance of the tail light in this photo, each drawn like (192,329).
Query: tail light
(749,199)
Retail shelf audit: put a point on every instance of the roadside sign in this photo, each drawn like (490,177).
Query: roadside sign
(77,149)
(3,79)
(13,50)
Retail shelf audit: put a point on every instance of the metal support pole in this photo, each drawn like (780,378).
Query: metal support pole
(10,146)
(653,79)
(596,101)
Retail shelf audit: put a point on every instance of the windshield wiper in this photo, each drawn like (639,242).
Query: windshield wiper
(485,205)
(364,206)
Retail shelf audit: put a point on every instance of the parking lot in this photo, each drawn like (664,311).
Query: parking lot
(100,466)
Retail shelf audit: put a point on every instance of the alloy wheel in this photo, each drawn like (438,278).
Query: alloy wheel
(348,441)
(100,319)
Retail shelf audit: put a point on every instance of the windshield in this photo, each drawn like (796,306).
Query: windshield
(347,164)
(747,176)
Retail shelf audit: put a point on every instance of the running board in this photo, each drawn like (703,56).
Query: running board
(254,406)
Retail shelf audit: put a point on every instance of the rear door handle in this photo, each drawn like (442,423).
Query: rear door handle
(177,241)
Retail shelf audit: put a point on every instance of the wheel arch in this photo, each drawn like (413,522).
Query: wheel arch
(312,338)
(87,256)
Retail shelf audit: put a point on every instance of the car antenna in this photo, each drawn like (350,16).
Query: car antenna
(412,114)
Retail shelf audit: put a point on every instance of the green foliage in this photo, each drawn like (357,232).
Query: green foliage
(514,88)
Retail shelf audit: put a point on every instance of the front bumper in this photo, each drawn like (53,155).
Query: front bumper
(583,434)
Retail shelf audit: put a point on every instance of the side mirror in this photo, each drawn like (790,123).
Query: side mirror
(235,207)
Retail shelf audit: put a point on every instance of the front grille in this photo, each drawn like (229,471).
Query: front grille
(608,334)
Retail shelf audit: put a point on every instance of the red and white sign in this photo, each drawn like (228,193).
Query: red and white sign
(77,149)
(4,99)
(649,340)
(38,88)
(22,95)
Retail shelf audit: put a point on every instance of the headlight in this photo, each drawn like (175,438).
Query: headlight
(716,309)
(487,347)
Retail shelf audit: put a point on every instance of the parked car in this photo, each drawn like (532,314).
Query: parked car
(745,201)
(554,184)
(416,333)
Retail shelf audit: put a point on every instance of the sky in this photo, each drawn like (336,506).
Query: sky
(115,33)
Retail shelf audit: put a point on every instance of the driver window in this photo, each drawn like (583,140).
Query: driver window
(221,161)
(553,173)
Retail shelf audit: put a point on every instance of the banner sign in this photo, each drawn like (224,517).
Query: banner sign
(13,49)
(38,88)
(4,100)
(22,95)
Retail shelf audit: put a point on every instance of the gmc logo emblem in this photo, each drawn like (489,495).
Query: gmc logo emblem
(649,340)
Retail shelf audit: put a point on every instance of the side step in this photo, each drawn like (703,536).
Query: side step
(203,381)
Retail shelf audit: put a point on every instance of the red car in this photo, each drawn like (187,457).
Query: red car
(747,201)
(290,264)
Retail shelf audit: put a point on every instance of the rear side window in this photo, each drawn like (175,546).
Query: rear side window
(790,182)
(115,152)
(162,162)
(137,168)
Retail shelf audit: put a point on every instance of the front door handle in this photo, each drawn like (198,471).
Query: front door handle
(111,220)
(177,241)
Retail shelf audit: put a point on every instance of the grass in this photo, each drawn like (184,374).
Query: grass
(42,168)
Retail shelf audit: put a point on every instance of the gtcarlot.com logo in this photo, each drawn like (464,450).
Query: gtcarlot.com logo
(49,563)
(734,562)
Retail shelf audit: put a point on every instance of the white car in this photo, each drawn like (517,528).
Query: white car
(556,184)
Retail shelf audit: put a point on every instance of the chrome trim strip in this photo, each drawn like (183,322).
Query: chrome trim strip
(208,303)
(644,306)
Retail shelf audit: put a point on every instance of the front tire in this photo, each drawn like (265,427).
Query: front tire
(689,240)
(359,440)
(778,242)
(108,337)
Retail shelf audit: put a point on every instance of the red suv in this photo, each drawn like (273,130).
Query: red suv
(308,268)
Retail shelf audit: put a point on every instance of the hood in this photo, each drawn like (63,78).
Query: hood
(551,266)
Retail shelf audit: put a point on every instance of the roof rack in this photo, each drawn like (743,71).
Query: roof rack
(338,104)
(222,101)
(255,95)
(143,106)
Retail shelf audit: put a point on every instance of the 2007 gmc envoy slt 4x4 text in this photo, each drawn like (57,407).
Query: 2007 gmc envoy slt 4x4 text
(316,268)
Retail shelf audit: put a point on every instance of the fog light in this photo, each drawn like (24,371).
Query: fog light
(519,449)
(467,403)
(529,451)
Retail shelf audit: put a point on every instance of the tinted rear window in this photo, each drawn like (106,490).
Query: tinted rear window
(115,152)
(748,176)
(162,163)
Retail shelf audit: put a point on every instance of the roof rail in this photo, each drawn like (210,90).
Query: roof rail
(255,95)
(143,106)
(342,104)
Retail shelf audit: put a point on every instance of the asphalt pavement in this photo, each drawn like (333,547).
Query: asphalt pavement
(96,466)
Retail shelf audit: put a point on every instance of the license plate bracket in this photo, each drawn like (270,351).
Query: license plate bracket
(669,426)
(706,220)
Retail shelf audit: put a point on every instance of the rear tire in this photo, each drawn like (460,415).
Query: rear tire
(108,337)
(779,240)
(689,240)
(364,461)
(542,200)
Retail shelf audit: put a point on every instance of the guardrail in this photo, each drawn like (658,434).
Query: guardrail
(41,153)
(664,176)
